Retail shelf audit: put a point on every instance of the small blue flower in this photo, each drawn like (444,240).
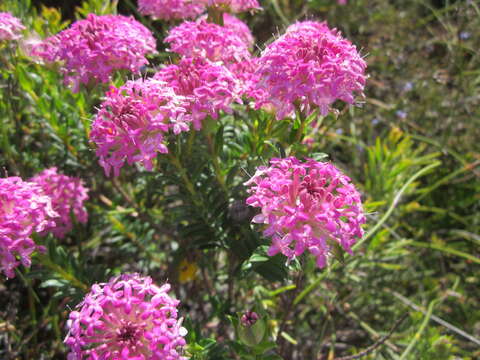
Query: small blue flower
(401,114)
(408,86)
(464,35)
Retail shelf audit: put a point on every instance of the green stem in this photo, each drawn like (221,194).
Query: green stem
(186,180)
(420,331)
(32,299)
(216,165)
(45,261)
(301,129)
(279,12)
(215,15)
(190,141)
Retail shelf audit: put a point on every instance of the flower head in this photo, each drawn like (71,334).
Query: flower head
(246,72)
(67,195)
(207,40)
(249,318)
(24,210)
(10,27)
(234,6)
(310,66)
(209,88)
(306,206)
(236,25)
(133,120)
(127,318)
(171,9)
(91,49)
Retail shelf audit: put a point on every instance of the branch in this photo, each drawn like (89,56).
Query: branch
(378,343)
(144,216)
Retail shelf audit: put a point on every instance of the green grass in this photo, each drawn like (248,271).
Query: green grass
(412,148)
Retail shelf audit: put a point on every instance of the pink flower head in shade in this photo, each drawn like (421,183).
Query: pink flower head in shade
(210,88)
(10,27)
(171,9)
(133,120)
(127,318)
(24,210)
(93,48)
(234,6)
(306,206)
(207,40)
(67,195)
(311,66)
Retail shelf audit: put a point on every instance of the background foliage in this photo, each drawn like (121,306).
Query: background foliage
(412,149)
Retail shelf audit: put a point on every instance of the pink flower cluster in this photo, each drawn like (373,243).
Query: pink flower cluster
(10,27)
(306,206)
(189,9)
(310,66)
(210,88)
(234,6)
(67,195)
(127,318)
(133,120)
(228,45)
(91,49)
(24,209)
(171,9)
(43,204)
(210,41)
(238,27)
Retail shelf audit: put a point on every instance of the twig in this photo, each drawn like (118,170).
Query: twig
(376,344)
(435,318)
(288,310)
(142,215)
(368,328)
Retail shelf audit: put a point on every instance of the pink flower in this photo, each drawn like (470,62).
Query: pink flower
(234,6)
(24,210)
(67,195)
(171,9)
(93,48)
(127,318)
(209,88)
(246,73)
(208,40)
(237,26)
(312,66)
(306,206)
(10,27)
(133,120)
